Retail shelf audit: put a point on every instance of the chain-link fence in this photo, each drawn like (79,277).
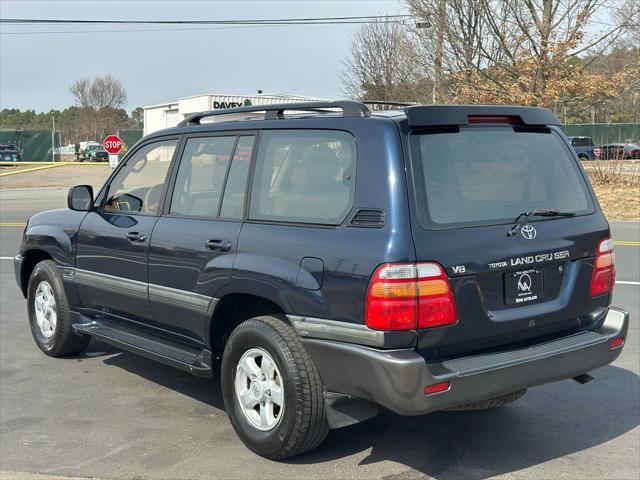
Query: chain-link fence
(603,133)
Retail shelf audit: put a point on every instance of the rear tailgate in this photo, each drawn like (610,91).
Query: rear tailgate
(471,181)
(485,270)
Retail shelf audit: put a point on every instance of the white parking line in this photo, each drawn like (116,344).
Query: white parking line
(6,258)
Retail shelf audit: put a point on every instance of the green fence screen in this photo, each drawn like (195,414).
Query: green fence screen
(602,133)
(129,137)
(34,145)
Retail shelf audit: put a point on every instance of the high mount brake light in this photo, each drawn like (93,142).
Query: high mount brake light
(409,296)
(512,119)
(604,270)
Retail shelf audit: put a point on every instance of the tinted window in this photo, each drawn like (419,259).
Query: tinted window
(234,190)
(201,176)
(304,176)
(484,175)
(138,186)
(581,142)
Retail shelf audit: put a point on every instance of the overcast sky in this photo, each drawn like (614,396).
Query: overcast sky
(36,69)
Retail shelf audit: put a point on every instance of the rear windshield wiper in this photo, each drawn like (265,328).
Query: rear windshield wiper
(521,219)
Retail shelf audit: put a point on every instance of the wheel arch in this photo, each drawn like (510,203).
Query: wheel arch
(232,309)
(30,259)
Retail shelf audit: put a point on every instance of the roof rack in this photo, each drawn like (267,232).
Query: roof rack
(389,103)
(350,109)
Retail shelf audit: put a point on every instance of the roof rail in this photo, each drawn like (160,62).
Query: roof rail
(350,109)
(389,102)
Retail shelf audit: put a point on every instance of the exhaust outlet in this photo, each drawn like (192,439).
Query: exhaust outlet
(584,378)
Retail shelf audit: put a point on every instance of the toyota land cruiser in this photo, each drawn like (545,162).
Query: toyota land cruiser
(325,260)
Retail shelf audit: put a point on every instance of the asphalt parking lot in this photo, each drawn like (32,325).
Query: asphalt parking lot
(111,414)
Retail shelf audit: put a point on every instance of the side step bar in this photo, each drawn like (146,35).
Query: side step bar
(186,358)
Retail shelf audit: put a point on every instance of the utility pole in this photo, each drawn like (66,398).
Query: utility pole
(437,84)
(53,138)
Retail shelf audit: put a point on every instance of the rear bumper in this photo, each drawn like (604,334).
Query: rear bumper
(396,379)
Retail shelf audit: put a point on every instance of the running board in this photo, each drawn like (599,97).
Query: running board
(183,357)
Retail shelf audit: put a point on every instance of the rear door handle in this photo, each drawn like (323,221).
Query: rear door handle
(218,245)
(136,237)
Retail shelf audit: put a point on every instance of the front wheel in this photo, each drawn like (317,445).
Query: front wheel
(272,391)
(49,316)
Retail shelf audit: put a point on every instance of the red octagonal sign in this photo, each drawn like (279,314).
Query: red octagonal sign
(112,144)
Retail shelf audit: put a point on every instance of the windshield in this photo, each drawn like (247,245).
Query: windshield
(581,142)
(485,175)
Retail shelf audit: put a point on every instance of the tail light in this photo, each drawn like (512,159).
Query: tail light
(407,296)
(604,270)
(596,151)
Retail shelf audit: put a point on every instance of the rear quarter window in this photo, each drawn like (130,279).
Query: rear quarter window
(489,175)
(304,176)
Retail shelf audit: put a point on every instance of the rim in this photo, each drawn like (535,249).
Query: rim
(45,307)
(259,389)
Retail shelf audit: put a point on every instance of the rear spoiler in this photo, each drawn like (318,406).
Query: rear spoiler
(449,115)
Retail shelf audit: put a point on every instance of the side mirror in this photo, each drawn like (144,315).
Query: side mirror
(80,198)
(129,203)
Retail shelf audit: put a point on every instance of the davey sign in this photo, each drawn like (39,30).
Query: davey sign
(112,144)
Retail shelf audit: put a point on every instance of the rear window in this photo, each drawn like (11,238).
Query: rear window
(489,175)
(581,142)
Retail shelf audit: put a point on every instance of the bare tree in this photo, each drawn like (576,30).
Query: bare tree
(100,102)
(447,41)
(379,65)
(628,14)
(514,51)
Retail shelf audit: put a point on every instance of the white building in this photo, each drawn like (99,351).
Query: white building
(167,115)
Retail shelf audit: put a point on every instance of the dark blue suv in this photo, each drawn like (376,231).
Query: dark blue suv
(325,260)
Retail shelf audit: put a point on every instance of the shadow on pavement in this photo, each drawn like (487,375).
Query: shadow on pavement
(548,423)
(205,390)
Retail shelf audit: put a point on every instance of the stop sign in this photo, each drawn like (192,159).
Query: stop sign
(112,144)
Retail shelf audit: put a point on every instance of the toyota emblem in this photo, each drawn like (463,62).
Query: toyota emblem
(528,232)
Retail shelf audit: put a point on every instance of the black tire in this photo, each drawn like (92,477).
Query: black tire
(303,425)
(490,403)
(64,341)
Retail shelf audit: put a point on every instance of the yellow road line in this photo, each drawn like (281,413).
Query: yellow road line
(17,164)
(626,243)
(12,224)
(25,170)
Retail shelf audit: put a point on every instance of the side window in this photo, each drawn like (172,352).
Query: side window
(234,191)
(201,176)
(138,186)
(304,176)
